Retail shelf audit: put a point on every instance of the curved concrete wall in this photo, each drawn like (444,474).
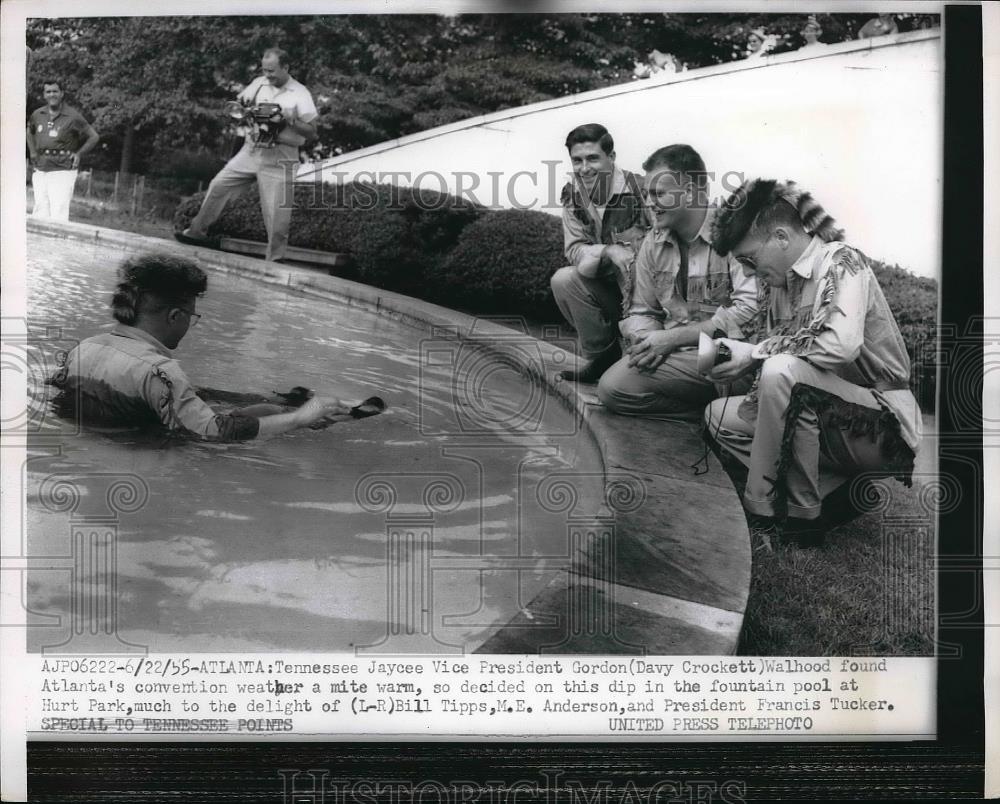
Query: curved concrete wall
(858,123)
(678,578)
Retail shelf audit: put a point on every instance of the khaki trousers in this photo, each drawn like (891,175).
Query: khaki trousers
(592,306)
(273,169)
(839,430)
(674,387)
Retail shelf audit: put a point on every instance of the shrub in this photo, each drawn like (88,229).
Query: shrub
(186,167)
(914,302)
(393,234)
(502,263)
(241,217)
(399,241)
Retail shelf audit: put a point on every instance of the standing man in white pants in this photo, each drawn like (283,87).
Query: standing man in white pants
(270,155)
(58,137)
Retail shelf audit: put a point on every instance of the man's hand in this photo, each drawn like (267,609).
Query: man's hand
(317,409)
(76,161)
(618,255)
(321,407)
(298,125)
(740,363)
(651,349)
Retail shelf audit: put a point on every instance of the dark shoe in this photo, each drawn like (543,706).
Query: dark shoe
(804,532)
(849,501)
(765,530)
(591,371)
(297,397)
(372,406)
(188,240)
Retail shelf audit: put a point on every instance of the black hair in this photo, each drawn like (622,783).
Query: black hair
(154,281)
(52,81)
(591,132)
(777,214)
(682,159)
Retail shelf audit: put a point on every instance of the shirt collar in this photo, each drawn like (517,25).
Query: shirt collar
(617,182)
(618,185)
(137,334)
(290,84)
(704,232)
(804,266)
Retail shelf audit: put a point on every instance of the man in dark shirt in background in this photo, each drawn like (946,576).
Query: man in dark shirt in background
(58,137)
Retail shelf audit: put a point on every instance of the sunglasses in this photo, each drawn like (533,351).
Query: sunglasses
(751,262)
(192,315)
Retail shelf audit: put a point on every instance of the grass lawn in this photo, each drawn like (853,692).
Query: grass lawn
(82,212)
(868,589)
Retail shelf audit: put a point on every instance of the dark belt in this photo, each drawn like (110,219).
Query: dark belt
(61,152)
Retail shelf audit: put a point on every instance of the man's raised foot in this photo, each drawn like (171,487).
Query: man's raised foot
(591,371)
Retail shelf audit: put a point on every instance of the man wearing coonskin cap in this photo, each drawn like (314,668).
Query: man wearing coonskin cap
(831,396)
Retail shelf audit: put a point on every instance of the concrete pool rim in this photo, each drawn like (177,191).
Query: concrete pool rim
(704,614)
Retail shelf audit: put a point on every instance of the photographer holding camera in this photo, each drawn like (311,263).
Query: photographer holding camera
(278,112)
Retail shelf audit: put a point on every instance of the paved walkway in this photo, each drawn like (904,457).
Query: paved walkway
(667,572)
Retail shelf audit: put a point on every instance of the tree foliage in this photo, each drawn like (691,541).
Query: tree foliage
(155,84)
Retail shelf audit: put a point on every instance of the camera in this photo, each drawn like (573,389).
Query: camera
(711,353)
(264,120)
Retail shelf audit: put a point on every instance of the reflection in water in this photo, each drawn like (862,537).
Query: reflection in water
(269,545)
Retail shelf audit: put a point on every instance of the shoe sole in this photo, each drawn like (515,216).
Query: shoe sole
(203,242)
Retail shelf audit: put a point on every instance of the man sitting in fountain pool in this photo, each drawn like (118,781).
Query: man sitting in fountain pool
(129,377)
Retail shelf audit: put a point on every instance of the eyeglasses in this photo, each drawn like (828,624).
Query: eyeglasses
(192,315)
(751,262)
